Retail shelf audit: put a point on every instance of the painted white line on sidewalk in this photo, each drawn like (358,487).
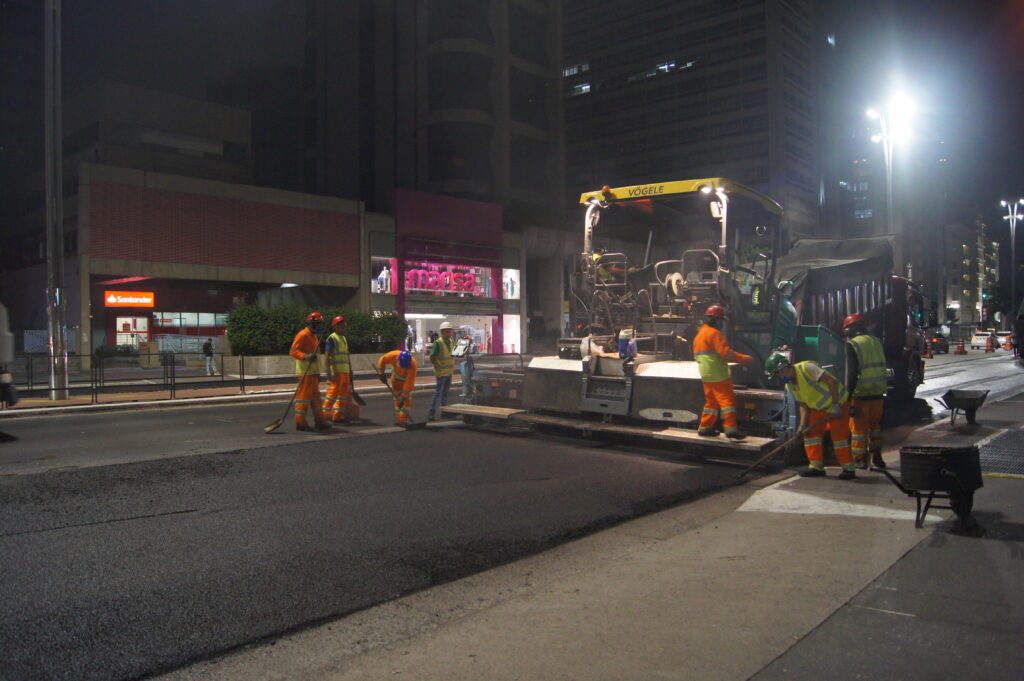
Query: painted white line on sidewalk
(770,500)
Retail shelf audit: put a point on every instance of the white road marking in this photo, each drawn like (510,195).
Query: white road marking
(770,500)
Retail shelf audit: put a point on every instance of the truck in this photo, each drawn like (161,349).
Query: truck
(629,368)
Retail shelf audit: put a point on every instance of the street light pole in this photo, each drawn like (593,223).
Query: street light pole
(1013,216)
(886,141)
(54,204)
(893,128)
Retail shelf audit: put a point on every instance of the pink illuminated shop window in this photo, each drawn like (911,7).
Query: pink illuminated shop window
(444,279)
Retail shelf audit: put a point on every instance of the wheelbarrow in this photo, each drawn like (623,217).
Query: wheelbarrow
(967,401)
(945,473)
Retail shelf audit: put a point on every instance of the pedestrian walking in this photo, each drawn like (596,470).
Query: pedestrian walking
(444,366)
(822,402)
(403,380)
(339,404)
(211,367)
(713,353)
(304,349)
(866,384)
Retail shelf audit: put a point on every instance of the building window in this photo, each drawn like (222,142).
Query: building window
(863,214)
(580,89)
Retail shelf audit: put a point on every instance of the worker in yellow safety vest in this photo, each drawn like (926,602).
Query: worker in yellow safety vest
(866,383)
(822,401)
(444,367)
(339,405)
(307,369)
(713,353)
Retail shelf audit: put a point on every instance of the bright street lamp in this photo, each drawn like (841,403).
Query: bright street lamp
(894,128)
(1013,216)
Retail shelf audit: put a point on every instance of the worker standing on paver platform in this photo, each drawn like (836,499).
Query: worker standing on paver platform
(712,353)
(307,369)
(444,366)
(823,406)
(866,384)
(403,380)
(338,404)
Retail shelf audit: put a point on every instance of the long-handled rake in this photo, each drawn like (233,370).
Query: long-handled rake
(410,424)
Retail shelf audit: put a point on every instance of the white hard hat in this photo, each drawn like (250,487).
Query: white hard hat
(445,325)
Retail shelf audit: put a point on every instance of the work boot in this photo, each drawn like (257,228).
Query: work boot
(813,472)
(847,474)
(302,426)
(877,461)
(431,417)
(324,427)
(707,432)
(862,462)
(735,435)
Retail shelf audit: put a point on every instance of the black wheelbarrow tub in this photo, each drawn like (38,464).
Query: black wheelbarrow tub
(966,401)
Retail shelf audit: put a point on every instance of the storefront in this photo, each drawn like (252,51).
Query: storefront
(447,261)
(178,315)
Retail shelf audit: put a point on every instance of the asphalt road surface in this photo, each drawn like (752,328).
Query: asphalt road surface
(136,542)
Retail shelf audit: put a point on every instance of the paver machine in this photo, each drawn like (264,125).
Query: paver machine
(629,369)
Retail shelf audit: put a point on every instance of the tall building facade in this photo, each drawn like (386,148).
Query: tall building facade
(690,88)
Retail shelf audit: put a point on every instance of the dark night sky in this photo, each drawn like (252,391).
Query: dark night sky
(962,59)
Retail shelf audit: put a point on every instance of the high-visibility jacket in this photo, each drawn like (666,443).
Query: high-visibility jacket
(398,374)
(871,374)
(813,393)
(712,353)
(337,345)
(305,342)
(444,364)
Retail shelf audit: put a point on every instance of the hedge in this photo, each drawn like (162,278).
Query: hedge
(259,331)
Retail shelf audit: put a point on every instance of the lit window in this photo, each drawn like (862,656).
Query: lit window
(863,214)
(581,89)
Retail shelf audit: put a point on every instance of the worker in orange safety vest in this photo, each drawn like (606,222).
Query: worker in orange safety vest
(307,369)
(713,353)
(339,404)
(403,380)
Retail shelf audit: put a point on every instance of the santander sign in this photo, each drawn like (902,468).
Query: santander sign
(129,298)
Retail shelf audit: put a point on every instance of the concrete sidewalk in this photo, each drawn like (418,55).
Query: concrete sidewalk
(781,578)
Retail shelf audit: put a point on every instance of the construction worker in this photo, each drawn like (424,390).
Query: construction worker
(307,368)
(403,380)
(339,405)
(712,353)
(823,406)
(866,384)
(444,366)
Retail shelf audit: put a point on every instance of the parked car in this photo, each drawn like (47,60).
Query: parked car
(938,342)
(979,339)
(1001,338)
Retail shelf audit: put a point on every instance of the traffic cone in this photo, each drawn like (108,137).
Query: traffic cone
(990,345)
(960,349)
(927,350)
(1007,345)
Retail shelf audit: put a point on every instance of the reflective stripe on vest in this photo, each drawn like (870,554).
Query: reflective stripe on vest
(399,374)
(339,354)
(444,365)
(871,376)
(814,394)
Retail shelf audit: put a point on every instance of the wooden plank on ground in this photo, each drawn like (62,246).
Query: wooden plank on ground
(502,413)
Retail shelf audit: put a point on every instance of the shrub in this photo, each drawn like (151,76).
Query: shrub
(257,331)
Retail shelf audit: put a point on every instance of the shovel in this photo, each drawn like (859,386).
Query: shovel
(799,434)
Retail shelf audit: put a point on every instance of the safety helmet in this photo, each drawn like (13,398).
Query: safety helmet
(314,317)
(405,359)
(445,325)
(776,361)
(853,319)
(337,320)
(716,311)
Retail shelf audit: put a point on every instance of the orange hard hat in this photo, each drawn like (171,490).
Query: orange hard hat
(338,320)
(715,311)
(852,319)
(314,317)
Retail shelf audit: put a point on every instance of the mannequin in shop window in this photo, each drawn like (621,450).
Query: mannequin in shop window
(384,280)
